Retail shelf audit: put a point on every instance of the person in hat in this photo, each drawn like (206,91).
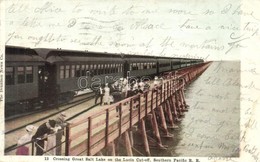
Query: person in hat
(60,124)
(41,135)
(24,149)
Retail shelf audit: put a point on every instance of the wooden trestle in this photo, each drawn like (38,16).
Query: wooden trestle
(104,128)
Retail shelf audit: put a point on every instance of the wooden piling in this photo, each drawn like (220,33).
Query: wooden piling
(128,144)
(156,129)
(163,123)
(181,100)
(144,136)
(111,150)
(183,96)
(170,116)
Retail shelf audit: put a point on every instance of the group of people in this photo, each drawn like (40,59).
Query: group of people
(47,137)
(119,90)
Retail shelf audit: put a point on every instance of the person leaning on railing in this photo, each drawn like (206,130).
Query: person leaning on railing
(60,124)
(41,134)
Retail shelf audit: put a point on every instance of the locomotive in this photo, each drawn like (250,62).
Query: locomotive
(39,78)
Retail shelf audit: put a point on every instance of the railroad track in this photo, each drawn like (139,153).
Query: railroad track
(69,105)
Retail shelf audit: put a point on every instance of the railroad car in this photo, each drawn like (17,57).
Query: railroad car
(139,66)
(37,78)
(21,79)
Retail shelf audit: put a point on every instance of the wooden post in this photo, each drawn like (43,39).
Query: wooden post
(146,103)
(32,153)
(183,96)
(89,135)
(120,120)
(116,143)
(163,122)
(131,136)
(107,125)
(181,100)
(67,139)
(164,92)
(131,113)
(146,144)
(156,129)
(128,144)
(139,108)
(152,101)
(161,94)
(169,112)
(172,102)
(178,104)
(174,105)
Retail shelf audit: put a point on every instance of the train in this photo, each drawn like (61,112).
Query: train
(36,78)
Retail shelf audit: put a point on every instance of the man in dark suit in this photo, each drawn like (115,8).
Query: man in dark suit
(41,134)
(99,93)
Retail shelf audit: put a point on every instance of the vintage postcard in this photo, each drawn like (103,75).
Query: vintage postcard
(129,81)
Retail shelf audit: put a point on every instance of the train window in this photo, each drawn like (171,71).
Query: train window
(116,68)
(61,72)
(90,69)
(142,66)
(9,76)
(121,67)
(152,65)
(107,69)
(131,67)
(72,70)
(112,68)
(83,70)
(21,74)
(135,66)
(29,74)
(145,66)
(67,71)
(100,70)
(77,70)
(95,69)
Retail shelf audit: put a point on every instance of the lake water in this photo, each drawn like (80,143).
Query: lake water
(211,127)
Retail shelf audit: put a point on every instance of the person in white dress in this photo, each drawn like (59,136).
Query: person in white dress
(24,149)
(106,95)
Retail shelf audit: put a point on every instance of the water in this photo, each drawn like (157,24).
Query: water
(211,127)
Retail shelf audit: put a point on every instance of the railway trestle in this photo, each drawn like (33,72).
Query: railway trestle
(105,128)
(161,106)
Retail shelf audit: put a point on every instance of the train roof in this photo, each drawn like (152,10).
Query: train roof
(21,54)
(59,55)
